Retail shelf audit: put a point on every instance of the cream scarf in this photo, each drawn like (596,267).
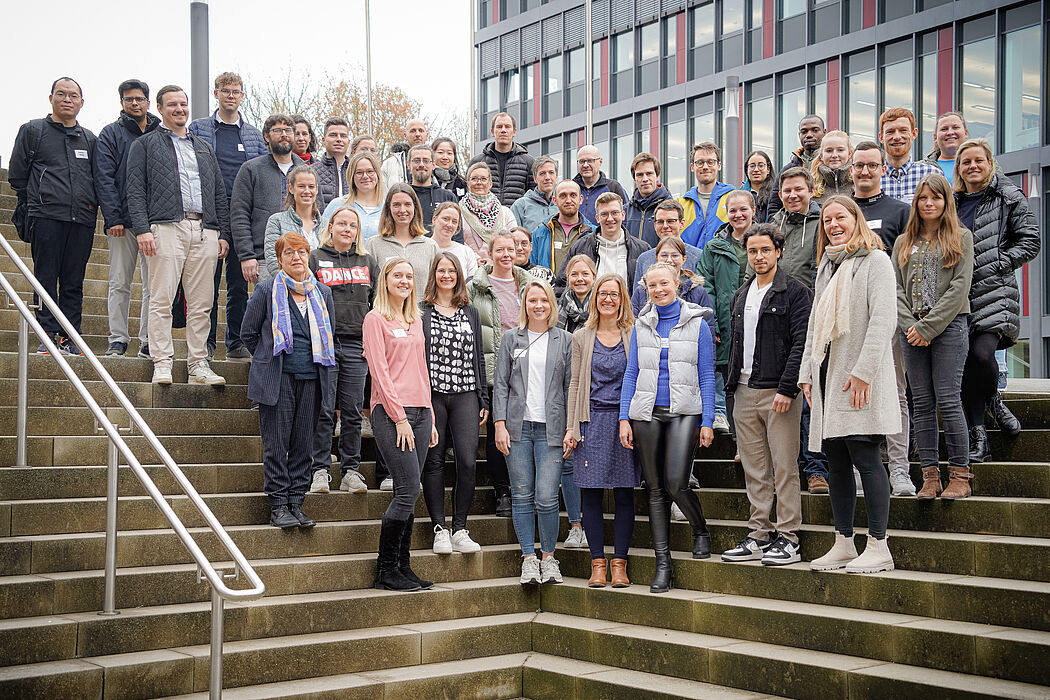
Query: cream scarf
(831,320)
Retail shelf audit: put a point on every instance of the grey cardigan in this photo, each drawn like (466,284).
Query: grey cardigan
(580,384)
(511,380)
(953,289)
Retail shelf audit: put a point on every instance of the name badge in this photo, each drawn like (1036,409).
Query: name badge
(81,153)
(665,342)
(519,352)
(400,333)
(557,245)
(875,223)
(324,263)
(240,147)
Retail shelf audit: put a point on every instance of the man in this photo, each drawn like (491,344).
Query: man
(110,172)
(429,192)
(551,239)
(593,183)
(537,205)
(331,168)
(648,194)
(613,250)
(767,410)
(811,132)
(179,212)
(258,192)
(395,168)
(897,133)
(509,162)
(234,141)
(51,174)
(798,220)
(950,133)
(667,222)
(522,251)
(704,204)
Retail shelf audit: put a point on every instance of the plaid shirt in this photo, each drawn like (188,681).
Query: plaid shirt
(900,183)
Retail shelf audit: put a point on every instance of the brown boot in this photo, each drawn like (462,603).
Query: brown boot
(619,574)
(931,483)
(958,483)
(597,579)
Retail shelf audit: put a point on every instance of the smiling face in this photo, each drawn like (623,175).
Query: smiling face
(67,100)
(834,152)
(174,109)
(645,178)
(580,279)
(762,254)
(400,282)
(951,132)
(537,306)
(662,288)
(444,155)
(741,214)
(304,189)
(301,140)
(336,140)
(502,256)
(867,170)
(608,299)
(445,275)
(667,223)
(135,103)
(795,192)
(422,165)
(670,255)
(280,138)
(522,248)
(757,170)
(365,177)
(446,223)
(610,218)
(402,209)
(974,167)
(839,224)
(705,166)
(480,181)
(897,136)
(293,262)
(230,96)
(930,204)
(345,228)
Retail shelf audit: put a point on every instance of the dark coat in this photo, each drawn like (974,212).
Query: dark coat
(641,214)
(251,138)
(264,376)
(588,245)
(50,170)
(111,163)
(589,195)
(429,197)
(258,193)
(329,177)
(516,180)
(474,319)
(351,277)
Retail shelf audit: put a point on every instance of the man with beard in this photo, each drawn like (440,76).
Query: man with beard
(885,215)
(811,132)
(430,193)
(648,193)
(897,133)
(552,238)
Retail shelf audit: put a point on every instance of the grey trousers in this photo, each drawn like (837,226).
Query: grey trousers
(897,444)
(123,255)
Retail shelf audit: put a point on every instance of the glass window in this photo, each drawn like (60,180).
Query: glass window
(577,66)
(854,15)
(623,52)
(512,93)
(978,88)
(704,24)
(760,126)
(650,42)
(596,73)
(928,70)
(826,23)
(676,163)
(731,52)
(732,16)
(898,85)
(554,76)
(895,9)
(792,109)
(860,103)
(756,15)
(790,8)
(623,153)
(1021,89)
(490,87)
(671,36)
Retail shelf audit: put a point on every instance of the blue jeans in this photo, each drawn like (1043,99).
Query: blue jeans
(720,393)
(570,492)
(535,471)
(812,463)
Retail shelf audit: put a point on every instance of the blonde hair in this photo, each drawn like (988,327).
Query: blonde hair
(814,168)
(947,238)
(624,316)
(959,185)
(326,235)
(376,165)
(862,233)
(523,314)
(581,258)
(409,308)
(661,267)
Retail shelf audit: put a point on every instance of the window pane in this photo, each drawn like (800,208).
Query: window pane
(860,102)
(854,15)
(756,14)
(760,126)
(826,23)
(1021,86)
(577,66)
(820,100)
(792,109)
(650,41)
(790,8)
(978,88)
(928,66)
(732,16)
(675,163)
(731,52)
(671,36)
(703,129)
(898,90)
(491,89)
(513,89)
(623,51)
(703,24)
(554,74)
(623,153)
(791,33)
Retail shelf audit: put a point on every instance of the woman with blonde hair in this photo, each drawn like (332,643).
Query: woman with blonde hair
(574,304)
(402,234)
(366,194)
(671,250)
(831,175)
(447,217)
(301,215)
(483,215)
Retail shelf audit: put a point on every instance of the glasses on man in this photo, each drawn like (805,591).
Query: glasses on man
(587,161)
(708,162)
(225,92)
(667,222)
(421,161)
(286,131)
(134,100)
(867,166)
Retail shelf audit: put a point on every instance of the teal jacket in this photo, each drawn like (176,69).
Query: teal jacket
(720,269)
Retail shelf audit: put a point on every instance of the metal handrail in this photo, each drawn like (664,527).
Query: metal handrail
(206,571)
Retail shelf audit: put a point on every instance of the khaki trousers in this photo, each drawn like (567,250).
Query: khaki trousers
(768,443)
(187,253)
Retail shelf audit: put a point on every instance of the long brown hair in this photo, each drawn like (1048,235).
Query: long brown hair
(862,233)
(289,199)
(624,317)
(386,219)
(947,238)
(460,298)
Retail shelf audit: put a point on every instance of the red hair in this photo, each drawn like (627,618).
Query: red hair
(293,239)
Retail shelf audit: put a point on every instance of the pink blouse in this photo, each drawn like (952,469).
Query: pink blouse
(397,362)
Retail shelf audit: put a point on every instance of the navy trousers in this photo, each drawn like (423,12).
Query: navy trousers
(287,430)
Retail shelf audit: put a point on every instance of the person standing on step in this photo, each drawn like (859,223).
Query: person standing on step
(933,261)
(110,172)
(640,220)
(300,214)
(666,405)
(537,205)
(1005,237)
(848,378)
(897,133)
(395,168)
(178,208)
(402,414)
(599,362)
(483,215)
(429,192)
(704,203)
(51,174)
(341,264)
(288,329)
(456,360)
(529,411)
(509,162)
(551,239)
(767,410)
(366,194)
(522,253)
(333,175)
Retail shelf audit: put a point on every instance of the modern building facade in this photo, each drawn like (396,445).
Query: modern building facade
(660,70)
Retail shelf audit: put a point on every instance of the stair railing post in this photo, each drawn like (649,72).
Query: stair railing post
(215,681)
(109,602)
(23,392)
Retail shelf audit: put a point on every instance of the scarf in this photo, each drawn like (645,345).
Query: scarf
(831,320)
(317,315)
(574,310)
(486,209)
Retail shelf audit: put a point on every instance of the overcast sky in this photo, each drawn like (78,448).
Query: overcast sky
(421,46)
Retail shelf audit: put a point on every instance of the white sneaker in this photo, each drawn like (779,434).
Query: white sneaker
(876,557)
(721,425)
(461,542)
(353,483)
(442,541)
(676,512)
(322,479)
(366,427)
(550,570)
(201,373)
(900,483)
(576,538)
(860,484)
(530,570)
(386,484)
(161,374)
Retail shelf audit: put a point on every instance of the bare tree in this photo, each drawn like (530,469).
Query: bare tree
(289,94)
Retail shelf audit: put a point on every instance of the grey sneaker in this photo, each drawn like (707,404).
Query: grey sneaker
(240,353)
(576,539)
(676,512)
(386,484)
(530,570)
(161,373)
(550,570)
(366,427)
(116,349)
(321,481)
(721,425)
(353,483)
(201,373)
(900,483)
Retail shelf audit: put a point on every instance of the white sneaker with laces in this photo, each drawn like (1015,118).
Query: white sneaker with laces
(353,483)
(442,541)
(386,484)
(550,571)
(721,425)
(530,570)
(322,479)
(161,374)
(201,373)
(461,542)
(676,512)
(576,538)
(901,484)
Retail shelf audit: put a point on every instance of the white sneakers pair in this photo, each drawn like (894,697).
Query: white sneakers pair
(351,482)
(843,555)
(199,373)
(458,541)
(536,570)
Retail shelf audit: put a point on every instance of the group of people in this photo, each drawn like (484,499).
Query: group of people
(813,315)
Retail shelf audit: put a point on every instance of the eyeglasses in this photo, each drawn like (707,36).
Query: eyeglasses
(421,161)
(300,253)
(867,166)
(282,132)
(666,222)
(230,93)
(608,295)
(710,162)
(135,100)
(478,180)
(669,257)
(756,166)
(587,161)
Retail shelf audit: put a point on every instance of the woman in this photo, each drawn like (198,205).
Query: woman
(304,143)
(341,264)
(401,233)
(1005,237)
(933,263)
(599,362)
(446,166)
(575,302)
(300,215)
(483,215)
(848,378)
(457,391)
(759,175)
(671,251)
(668,392)
(495,291)
(528,407)
(402,417)
(830,168)
(287,327)
(365,196)
(446,224)
(364,143)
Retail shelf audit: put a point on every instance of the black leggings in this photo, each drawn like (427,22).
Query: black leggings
(980,379)
(455,416)
(843,454)
(594,520)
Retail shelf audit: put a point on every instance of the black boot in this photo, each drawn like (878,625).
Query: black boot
(702,546)
(1003,416)
(404,552)
(503,506)
(304,520)
(281,517)
(388,577)
(979,448)
(660,524)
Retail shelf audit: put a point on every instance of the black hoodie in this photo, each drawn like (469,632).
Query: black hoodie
(352,279)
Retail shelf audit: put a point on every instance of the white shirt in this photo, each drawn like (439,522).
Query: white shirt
(285,167)
(535,392)
(612,256)
(752,303)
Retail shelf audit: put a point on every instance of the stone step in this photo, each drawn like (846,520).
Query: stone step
(96,325)
(97,288)
(59,393)
(41,421)
(99,254)
(125,369)
(72,450)
(97,343)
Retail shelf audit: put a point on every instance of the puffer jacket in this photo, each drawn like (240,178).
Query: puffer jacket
(722,275)
(352,278)
(329,178)
(641,214)
(1005,237)
(832,182)
(484,299)
(589,195)
(533,208)
(515,180)
(690,288)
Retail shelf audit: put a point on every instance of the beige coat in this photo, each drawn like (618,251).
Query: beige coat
(580,384)
(864,352)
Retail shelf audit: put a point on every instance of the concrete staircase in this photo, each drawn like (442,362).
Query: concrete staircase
(966,614)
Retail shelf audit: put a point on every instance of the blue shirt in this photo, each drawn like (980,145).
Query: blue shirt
(948,166)
(900,183)
(189,173)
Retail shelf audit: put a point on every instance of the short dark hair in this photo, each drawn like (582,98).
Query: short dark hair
(133,84)
(774,233)
(540,162)
(421,147)
(871,146)
(645,157)
(334,121)
(165,90)
(707,146)
(796,172)
(813,116)
(66,77)
(275,119)
(523,230)
(671,204)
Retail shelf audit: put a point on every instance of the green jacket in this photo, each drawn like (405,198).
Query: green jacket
(953,289)
(487,303)
(720,269)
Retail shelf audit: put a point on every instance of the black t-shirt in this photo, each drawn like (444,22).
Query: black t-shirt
(885,215)
(501,168)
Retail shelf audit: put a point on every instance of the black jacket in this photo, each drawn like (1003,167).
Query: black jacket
(111,163)
(429,197)
(515,180)
(50,170)
(1005,237)
(781,336)
(329,177)
(153,192)
(474,319)
(588,245)
(352,279)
